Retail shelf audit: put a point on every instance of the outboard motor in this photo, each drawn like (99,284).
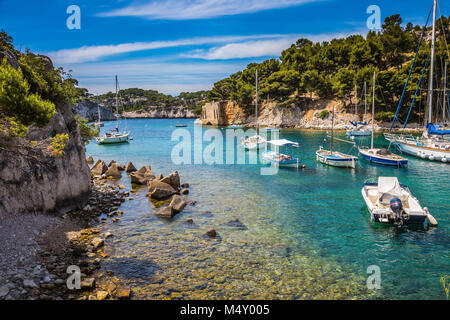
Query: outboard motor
(400,215)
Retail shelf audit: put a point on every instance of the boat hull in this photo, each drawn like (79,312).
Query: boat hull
(359,133)
(292,163)
(423,152)
(383,160)
(336,161)
(113,140)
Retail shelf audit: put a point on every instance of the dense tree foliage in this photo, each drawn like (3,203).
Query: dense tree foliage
(30,94)
(332,68)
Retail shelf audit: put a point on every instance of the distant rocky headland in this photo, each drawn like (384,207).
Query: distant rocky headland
(315,114)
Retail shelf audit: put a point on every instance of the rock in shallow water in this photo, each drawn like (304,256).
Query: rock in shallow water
(130,167)
(177,203)
(99,168)
(166,212)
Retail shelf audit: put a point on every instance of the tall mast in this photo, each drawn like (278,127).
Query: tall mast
(430,81)
(256,101)
(332,132)
(98,109)
(445,95)
(356,101)
(373,110)
(365,101)
(117,105)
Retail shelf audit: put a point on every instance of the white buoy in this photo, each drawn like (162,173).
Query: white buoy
(444,159)
(431,220)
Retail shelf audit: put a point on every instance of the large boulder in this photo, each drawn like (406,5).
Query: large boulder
(172,179)
(142,176)
(177,203)
(130,168)
(99,168)
(114,171)
(159,190)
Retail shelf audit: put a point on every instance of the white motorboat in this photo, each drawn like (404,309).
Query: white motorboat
(254,143)
(392,203)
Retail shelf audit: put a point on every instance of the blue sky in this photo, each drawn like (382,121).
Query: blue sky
(183,45)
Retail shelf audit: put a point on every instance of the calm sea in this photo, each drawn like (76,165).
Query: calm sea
(308,232)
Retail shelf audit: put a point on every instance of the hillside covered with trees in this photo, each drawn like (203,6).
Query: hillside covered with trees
(331,70)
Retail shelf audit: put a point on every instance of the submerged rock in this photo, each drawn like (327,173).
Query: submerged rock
(88,284)
(235,223)
(184,191)
(97,242)
(99,168)
(130,167)
(211,233)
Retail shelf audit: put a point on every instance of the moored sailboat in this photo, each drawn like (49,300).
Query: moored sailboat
(377,155)
(432,145)
(334,158)
(359,127)
(98,123)
(255,142)
(114,136)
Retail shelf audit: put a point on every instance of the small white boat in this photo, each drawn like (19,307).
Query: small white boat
(283,160)
(254,143)
(114,136)
(392,203)
(336,159)
(359,131)
(235,126)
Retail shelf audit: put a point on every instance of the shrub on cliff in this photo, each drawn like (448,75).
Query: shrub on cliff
(87,132)
(18,105)
(384,116)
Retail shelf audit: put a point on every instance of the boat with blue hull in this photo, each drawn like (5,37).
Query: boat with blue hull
(380,155)
(280,159)
(383,156)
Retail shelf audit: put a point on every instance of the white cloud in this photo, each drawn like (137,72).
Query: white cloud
(199,9)
(247,49)
(259,48)
(94,53)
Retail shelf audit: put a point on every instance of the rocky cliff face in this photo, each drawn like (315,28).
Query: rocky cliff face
(33,180)
(88,110)
(159,112)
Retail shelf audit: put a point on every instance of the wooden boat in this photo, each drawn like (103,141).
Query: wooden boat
(334,158)
(283,160)
(380,155)
(392,203)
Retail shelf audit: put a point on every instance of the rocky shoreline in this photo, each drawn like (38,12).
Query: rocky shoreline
(77,239)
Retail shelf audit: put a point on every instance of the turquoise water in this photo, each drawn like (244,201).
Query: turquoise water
(309,234)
